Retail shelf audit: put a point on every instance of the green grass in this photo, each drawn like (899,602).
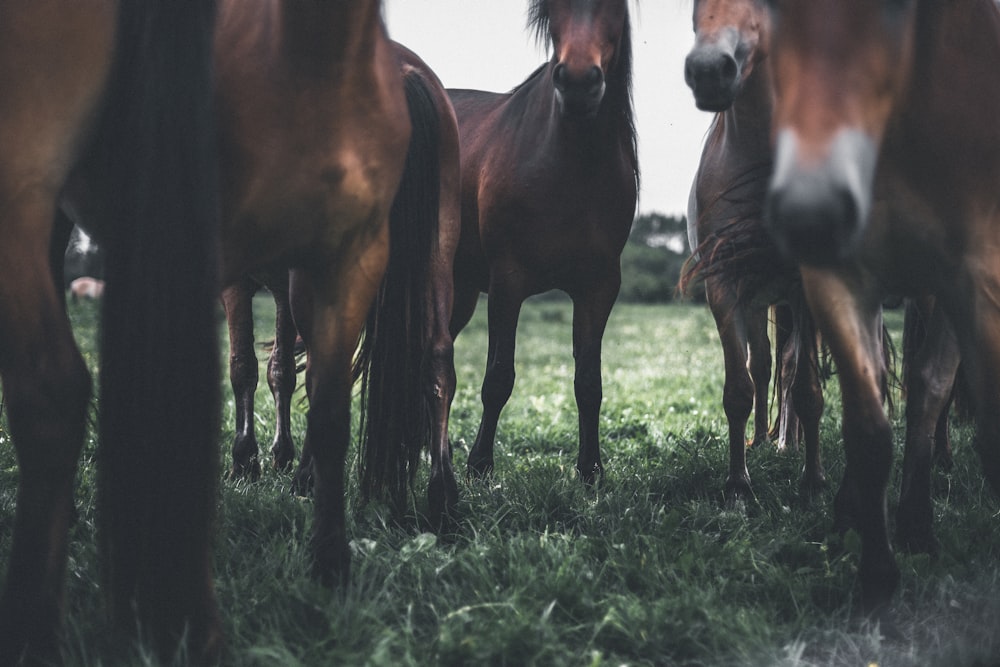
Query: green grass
(649,569)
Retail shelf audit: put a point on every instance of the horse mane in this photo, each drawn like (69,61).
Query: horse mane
(740,252)
(618,94)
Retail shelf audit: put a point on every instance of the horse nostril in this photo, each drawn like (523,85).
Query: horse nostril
(559,77)
(595,77)
(728,70)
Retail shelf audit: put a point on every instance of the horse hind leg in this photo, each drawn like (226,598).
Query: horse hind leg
(47,390)
(439,371)
(807,398)
(238,302)
(787,426)
(281,374)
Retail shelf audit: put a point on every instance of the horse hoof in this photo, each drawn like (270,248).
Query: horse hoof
(737,492)
(282,457)
(302,483)
(916,537)
(249,470)
(592,476)
(442,497)
(331,564)
(812,485)
(479,468)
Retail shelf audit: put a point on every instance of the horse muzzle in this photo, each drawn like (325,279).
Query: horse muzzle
(578,94)
(817,211)
(713,72)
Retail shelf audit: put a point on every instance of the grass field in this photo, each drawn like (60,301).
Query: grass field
(649,569)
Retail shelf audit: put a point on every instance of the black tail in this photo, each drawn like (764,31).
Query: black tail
(159,403)
(395,419)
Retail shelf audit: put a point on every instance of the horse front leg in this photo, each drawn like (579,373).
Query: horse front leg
(237,300)
(847,313)
(759,348)
(504,307)
(738,389)
(47,390)
(590,318)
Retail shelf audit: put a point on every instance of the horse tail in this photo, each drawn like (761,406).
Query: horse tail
(395,417)
(159,409)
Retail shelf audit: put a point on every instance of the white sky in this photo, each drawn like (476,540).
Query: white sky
(483,44)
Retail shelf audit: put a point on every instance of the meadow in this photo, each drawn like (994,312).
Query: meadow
(651,568)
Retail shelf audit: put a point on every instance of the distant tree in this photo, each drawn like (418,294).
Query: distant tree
(653,257)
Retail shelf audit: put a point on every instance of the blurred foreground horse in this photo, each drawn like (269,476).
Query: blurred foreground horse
(121,94)
(885,180)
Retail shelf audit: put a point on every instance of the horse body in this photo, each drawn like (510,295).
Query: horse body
(727,71)
(549,183)
(88,87)
(886,179)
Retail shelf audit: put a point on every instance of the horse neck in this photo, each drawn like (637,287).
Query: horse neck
(746,125)
(953,101)
(541,124)
(318,34)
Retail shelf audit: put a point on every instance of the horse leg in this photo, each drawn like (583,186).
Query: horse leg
(330,307)
(848,318)
(786,429)
(62,231)
(439,372)
(237,300)
(47,390)
(738,391)
(504,307)
(931,379)
(807,397)
(759,347)
(281,372)
(983,353)
(590,318)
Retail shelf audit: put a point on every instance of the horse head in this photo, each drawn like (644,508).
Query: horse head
(589,38)
(840,68)
(730,40)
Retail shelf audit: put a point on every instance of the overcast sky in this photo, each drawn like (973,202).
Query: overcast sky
(483,44)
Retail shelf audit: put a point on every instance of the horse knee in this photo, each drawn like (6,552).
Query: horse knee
(498,384)
(243,373)
(440,366)
(737,397)
(47,406)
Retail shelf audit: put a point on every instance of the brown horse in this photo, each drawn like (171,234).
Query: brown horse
(742,269)
(885,180)
(120,92)
(549,181)
(313,138)
(406,357)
